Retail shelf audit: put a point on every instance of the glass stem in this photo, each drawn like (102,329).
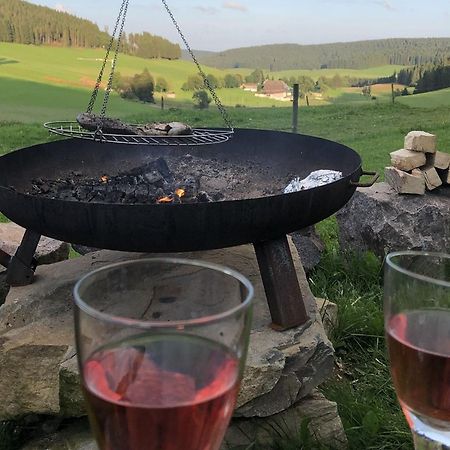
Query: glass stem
(423,443)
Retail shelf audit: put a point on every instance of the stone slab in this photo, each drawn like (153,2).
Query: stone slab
(48,251)
(36,335)
(380,220)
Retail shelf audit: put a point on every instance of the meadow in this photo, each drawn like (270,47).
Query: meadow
(361,385)
(30,75)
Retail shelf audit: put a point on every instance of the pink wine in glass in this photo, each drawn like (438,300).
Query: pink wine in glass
(419,349)
(161,392)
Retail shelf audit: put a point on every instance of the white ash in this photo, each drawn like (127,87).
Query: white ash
(314,179)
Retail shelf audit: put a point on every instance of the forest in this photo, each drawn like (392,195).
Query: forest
(350,55)
(24,23)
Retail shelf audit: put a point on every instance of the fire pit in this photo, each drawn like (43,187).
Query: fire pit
(245,177)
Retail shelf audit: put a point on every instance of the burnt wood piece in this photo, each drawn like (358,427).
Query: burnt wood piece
(279,277)
(92,122)
(23,264)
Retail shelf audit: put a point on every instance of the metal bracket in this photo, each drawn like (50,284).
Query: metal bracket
(279,276)
(22,265)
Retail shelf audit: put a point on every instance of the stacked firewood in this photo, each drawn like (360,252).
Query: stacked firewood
(418,167)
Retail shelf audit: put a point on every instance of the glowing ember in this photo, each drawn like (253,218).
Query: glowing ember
(180,192)
(165,200)
(104,179)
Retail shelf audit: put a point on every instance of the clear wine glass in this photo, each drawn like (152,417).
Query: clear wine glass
(161,349)
(417,323)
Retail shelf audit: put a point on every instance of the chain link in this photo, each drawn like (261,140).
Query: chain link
(124,11)
(217,101)
(100,75)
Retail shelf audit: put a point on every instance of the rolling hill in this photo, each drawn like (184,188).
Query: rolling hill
(344,55)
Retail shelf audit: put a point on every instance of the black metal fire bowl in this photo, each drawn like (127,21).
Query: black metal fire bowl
(182,227)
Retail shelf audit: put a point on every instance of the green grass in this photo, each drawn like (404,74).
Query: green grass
(433,99)
(78,69)
(362,386)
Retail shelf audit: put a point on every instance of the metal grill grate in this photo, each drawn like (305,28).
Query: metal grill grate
(200,136)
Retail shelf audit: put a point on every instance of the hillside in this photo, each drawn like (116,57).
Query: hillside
(25,23)
(351,55)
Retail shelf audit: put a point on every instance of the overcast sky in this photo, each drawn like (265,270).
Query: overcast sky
(221,24)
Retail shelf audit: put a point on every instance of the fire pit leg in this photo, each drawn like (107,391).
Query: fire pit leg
(22,265)
(280,281)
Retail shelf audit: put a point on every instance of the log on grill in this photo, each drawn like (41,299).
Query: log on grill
(92,122)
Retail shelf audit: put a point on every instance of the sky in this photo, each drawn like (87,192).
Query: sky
(223,24)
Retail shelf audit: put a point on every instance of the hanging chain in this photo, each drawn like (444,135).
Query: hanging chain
(100,75)
(217,101)
(123,12)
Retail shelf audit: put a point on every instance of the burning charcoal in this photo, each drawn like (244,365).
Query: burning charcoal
(218,196)
(141,194)
(190,186)
(153,177)
(203,197)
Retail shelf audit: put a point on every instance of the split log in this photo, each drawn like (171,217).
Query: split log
(442,160)
(420,141)
(403,182)
(407,159)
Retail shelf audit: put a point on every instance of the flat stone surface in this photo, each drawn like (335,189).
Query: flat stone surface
(48,251)
(37,352)
(380,220)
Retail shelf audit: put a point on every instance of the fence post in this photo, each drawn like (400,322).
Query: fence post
(296,94)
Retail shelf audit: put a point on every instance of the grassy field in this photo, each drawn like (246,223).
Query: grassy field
(428,100)
(77,69)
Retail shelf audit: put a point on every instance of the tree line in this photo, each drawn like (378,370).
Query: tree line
(351,55)
(24,23)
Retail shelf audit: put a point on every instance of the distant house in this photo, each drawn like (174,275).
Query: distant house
(251,87)
(277,89)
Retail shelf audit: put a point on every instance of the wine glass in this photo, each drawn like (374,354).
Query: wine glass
(417,323)
(161,350)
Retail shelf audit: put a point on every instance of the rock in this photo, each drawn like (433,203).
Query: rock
(74,436)
(325,426)
(407,159)
(329,313)
(379,220)
(442,160)
(420,141)
(403,182)
(48,251)
(83,249)
(37,342)
(309,246)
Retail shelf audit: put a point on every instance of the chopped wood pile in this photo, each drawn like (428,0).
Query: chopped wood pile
(418,167)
